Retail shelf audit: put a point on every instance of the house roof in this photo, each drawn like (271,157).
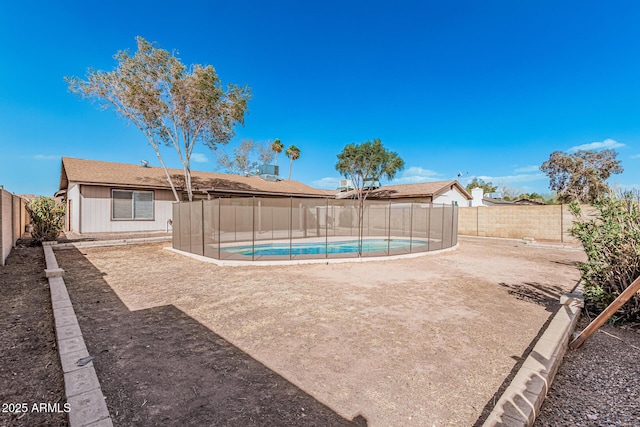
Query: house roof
(80,171)
(531,202)
(422,189)
(490,201)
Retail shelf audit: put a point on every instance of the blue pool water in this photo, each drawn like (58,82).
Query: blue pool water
(318,248)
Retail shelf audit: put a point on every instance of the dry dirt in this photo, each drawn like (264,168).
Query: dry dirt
(422,341)
(30,371)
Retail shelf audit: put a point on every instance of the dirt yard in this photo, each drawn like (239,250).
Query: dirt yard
(422,341)
(30,372)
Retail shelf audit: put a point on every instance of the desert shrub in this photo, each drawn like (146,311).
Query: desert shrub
(611,239)
(47,218)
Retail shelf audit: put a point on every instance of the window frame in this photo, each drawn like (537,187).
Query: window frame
(132,218)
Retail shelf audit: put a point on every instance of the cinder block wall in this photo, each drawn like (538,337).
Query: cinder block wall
(13,219)
(547,223)
(6,225)
(16,218)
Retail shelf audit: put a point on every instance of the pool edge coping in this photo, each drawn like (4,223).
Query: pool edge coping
(238,263)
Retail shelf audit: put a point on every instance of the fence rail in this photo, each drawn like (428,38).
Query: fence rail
(253,228)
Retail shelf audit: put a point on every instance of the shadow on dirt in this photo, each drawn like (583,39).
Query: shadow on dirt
(159,366)
(537,293)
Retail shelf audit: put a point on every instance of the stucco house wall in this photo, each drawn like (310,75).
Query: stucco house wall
(73,209)
(90,210)
(452,196)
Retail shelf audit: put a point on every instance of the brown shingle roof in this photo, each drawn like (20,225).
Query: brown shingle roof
(127,175)
(422,189)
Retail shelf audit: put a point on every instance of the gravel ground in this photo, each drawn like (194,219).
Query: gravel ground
(597,384)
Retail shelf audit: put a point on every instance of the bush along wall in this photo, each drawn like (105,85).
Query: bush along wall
(47,218)
(611,239)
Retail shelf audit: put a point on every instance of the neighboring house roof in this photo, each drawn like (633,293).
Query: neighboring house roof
(489,201)
(423,189)
(111,174)
(529,202)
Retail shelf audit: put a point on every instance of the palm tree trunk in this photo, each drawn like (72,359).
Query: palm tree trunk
(290,166)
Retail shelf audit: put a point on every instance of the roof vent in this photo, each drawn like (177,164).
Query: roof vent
(144,163)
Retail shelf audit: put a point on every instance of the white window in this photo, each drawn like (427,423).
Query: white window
(131,205)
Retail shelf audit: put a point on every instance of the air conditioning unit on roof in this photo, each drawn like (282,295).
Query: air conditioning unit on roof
(371,184)
(266,169)
(345,185)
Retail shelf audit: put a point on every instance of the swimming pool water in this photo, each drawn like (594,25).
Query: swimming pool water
(318,248)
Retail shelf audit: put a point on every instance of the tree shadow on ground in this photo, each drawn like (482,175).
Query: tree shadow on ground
(547,296)
(159,366)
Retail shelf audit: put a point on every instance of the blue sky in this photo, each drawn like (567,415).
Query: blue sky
(488,88)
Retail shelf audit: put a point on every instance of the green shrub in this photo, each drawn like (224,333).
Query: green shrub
(611,240)
(47,218)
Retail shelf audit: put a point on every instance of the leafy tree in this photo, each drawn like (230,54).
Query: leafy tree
(246,157)
(171,104)
(487,187)
(277,147)
(293,153)
(47,218)
(581,176)
(363,163)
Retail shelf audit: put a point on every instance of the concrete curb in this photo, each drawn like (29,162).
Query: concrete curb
(84,395)
(521,401)
(527,242)
(119,242)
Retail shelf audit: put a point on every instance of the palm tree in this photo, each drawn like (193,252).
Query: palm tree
(276,147)
(293,153)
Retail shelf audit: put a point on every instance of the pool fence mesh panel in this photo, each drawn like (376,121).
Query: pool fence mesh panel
(230,228)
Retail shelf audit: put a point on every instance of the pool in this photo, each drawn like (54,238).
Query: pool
(320,248)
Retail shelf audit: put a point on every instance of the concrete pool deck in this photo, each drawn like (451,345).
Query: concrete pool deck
(417,341)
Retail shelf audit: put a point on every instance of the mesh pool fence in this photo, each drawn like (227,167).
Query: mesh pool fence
(258,228)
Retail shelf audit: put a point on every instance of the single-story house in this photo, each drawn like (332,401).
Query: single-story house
(438,192)
(106,197)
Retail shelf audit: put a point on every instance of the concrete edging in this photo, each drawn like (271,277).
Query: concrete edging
(82,388)
(238,263)
(118,242)
(521,401)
